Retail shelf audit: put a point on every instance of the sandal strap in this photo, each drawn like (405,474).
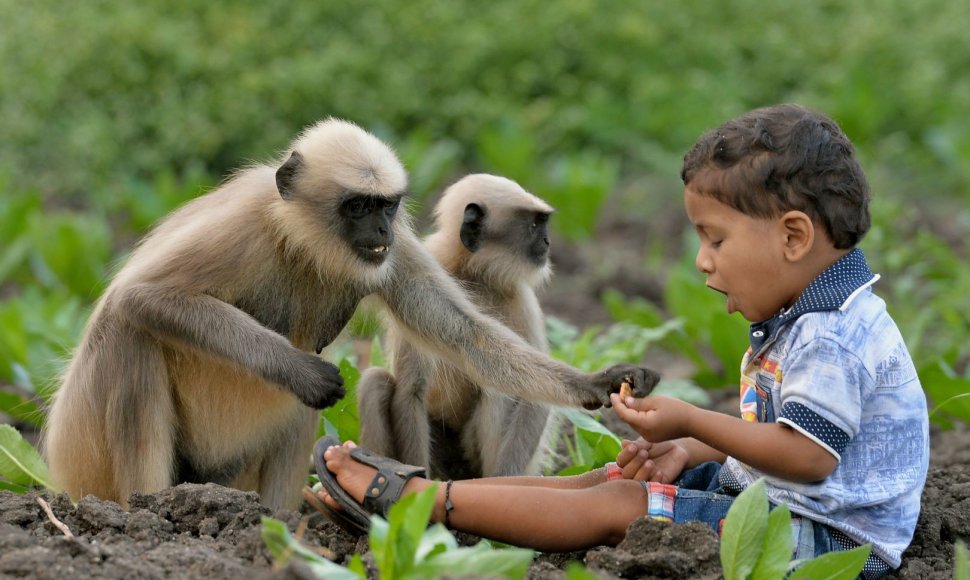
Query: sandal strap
(389,481)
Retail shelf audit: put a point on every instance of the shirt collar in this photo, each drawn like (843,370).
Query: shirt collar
(833,289)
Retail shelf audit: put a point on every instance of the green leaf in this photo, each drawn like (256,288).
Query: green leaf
(506,148)
(576,469)
(744,530)
(72,251)
(342,420)
(14,256)
(595,444)
(839,565)
(479,560)
(20,463)
(357,566)
(777,550)
(576,571)
(379,540)
(283,546)
(435,539)
(587,422)
(961,562)
(577,185)
(947,390)
(410,516)
(6,485)
(392,548)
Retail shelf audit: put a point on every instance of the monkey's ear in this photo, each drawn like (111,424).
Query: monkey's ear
(286,174)
(473,226)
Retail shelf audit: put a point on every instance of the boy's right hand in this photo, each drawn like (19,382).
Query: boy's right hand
(655,418)
(661,462)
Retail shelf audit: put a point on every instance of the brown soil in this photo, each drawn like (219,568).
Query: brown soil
(209,531)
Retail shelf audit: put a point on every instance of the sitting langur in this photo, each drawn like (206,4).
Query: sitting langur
(492,236)
(198,363)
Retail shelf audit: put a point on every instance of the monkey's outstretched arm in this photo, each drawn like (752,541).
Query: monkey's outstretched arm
(434,311)
(210,325)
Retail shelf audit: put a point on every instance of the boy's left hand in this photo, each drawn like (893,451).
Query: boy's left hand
(655,418)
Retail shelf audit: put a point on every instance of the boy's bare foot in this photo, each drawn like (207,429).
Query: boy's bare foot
(354,477)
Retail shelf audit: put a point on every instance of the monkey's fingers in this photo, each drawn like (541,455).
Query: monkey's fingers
(644,380)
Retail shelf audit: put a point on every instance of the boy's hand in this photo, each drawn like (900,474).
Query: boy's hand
(659,462)
(655,418)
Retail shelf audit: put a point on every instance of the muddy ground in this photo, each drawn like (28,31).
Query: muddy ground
(207,531)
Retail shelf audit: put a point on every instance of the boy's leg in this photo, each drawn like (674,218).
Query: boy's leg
(537,516)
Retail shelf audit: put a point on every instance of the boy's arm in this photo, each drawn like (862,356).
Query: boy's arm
(773,448)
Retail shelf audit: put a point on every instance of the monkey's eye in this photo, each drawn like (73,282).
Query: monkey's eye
(540,220)
(391,207)
(357,207)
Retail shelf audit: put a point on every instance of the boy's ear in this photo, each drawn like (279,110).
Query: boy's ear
(799,234)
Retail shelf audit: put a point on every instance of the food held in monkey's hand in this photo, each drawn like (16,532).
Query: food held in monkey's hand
(626,391)
(641,381)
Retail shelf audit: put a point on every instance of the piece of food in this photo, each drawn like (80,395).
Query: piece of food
(626,390)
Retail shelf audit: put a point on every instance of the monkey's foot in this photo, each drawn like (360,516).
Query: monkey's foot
(357,483)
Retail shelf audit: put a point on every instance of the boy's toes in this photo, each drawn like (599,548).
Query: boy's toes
(327,499)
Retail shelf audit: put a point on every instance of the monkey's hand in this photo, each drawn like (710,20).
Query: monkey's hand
(318,384)
(640,379)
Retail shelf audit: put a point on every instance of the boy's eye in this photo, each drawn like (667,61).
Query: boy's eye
(716,244)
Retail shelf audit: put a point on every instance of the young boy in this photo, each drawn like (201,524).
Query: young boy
(832,412)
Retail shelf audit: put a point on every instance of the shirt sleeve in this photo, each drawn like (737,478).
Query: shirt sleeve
(821,393)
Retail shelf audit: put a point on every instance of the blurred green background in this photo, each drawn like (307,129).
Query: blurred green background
(113,113)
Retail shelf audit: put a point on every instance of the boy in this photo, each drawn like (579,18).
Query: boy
(832,412)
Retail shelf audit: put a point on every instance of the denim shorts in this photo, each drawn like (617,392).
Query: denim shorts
(698,496)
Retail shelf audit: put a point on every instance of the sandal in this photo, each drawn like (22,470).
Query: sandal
(382,492)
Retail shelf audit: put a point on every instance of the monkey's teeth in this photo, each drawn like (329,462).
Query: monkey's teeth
(379,249)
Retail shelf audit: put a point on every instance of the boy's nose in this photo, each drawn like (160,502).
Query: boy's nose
(703,262)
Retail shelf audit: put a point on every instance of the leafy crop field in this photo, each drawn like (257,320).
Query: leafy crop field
(115,113)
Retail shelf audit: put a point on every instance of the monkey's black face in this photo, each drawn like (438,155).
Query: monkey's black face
(537,237)
(367,225)
(526,234)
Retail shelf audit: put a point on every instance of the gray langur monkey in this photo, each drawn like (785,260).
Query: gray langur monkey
(197,363)
(491,235)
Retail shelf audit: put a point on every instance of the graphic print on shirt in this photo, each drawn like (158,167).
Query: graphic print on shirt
(758,379)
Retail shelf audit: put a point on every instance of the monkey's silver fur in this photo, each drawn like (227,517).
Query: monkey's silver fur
(499,434)
(197,362)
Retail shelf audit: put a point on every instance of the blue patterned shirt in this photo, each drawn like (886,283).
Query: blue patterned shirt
(834,367)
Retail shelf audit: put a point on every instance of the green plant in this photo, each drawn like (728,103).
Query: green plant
(576,184)
(757,543)
(961,562)
(924,281)
(21,466)
(404,546)
(40,328)
(595,347)
(341,420)
(284,547)
(950,393)
(65,251)
(592,444)
(429,162)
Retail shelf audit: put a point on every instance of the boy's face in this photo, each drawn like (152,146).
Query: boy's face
(742,257)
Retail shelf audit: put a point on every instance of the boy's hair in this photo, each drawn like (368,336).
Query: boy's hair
(784,158)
